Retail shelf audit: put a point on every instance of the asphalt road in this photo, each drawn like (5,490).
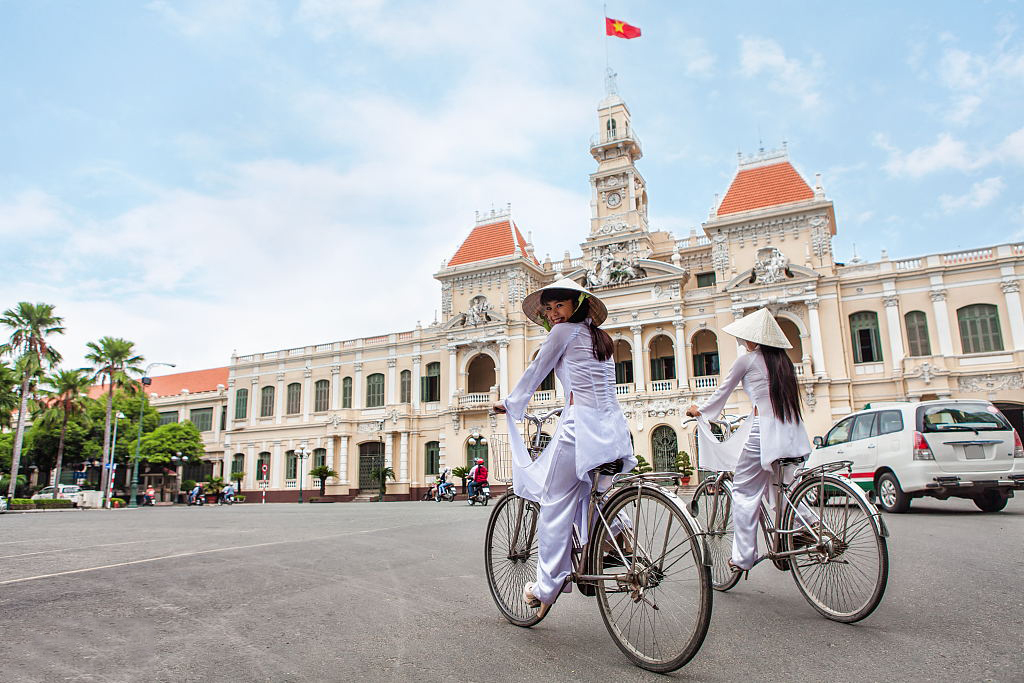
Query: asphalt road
(396,591)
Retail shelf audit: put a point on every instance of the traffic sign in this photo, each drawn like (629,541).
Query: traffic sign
(264,484)
(264,468)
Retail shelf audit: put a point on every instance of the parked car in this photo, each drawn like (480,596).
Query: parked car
(68,491)
(950,448)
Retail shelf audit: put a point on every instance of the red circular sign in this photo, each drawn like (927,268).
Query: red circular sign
(265,468)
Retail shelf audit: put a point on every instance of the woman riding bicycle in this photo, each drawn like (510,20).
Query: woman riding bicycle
(773,430)
(592,430)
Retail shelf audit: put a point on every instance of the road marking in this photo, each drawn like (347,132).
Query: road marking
(189,554)
(65,550)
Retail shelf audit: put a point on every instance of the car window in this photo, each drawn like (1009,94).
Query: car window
(890,421)
(840,433)
(862,427)
(48,489)
(962,417)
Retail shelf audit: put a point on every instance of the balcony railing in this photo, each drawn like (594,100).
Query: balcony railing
(545,396)
(663,385)
(467,400)
(799,370)
(704,382)
(623,389)
(613,137)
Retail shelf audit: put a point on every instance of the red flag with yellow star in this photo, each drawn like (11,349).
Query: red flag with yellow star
(620,29)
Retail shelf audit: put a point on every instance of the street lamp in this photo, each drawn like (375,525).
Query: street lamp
(178,458)
(113,461)
(301,454)
(146,381)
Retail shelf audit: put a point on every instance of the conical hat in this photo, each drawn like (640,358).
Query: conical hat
(759,327)
(532,307)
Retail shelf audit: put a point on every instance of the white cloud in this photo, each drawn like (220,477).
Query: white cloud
(963,109)
(974,77)
(1011,149)
(982,193)
(786,75)
(946,153)
(201,18)
(32,213)
(698,59)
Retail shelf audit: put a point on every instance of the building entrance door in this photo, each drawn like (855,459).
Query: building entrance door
(371,459)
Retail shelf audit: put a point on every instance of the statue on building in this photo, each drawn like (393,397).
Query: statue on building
(610,269)
(478,313)
(770,267)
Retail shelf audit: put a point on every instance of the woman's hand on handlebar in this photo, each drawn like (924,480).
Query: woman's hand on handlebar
(693,411)
(498,408)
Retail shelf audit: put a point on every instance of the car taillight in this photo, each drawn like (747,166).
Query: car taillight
(921,449)
(1018,447)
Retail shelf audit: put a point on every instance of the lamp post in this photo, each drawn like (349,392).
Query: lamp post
(475,437)
(113,462)
(301,454)
(178,458)
(146,381)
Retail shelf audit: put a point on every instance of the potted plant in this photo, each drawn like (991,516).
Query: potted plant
(237,477)
(212,489)
(382,475)
(642,466)
(323,473)
(684,467)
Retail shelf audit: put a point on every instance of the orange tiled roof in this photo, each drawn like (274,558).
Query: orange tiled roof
(171,385)
(762,186)
(489,241)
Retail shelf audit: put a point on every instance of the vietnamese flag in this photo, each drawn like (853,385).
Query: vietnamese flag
(620,29)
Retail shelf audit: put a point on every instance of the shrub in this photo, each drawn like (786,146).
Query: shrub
(239,499)
(51,503)
(117,502)
(188,485)
(23,504)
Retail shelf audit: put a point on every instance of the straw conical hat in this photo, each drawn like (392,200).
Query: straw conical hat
(532,307)
(759,327)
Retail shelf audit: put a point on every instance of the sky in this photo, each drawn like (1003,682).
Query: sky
(248,175)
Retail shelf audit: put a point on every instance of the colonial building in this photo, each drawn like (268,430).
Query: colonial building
(937,325)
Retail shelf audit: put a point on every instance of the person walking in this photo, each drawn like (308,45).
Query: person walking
(592,430)
(774,429)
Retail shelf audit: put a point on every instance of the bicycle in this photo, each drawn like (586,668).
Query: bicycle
(820,526)
(651,577)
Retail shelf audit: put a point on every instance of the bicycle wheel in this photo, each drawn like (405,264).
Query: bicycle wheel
(712,508)
(510,557)
(844,577)
(659,610)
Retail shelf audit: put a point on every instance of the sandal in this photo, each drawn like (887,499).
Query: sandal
(735,569)
(532,601)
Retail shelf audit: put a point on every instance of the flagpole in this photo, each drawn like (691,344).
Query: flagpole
(607,61)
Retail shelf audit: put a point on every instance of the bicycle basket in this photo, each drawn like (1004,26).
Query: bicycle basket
(501,459)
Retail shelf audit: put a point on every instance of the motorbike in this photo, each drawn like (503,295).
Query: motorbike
(482,495)
(447,493)
(225,500)
(196,500)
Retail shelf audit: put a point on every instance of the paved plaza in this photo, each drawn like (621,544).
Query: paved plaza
(396,591)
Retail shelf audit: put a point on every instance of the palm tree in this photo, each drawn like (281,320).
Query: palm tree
(382,474)
(30,325)
(113,362)
(8,394)
(323,473)
(63,394)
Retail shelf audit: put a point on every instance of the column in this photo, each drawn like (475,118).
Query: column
(403,458)
(941,313)
(225,470)
(330,456)
(251,475)
(1011,292)
(307,393)
(892,316)
(453,359)
(279,399)
(680,348)
(276,467)
(391,397)
(638,359)
(416,382)
(343,459)
(335,387)
(254,401)
(230,402)
(357,386)
(559,391)
(389,450)
(817,350)
(503,369)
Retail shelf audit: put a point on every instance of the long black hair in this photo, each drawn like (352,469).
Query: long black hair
(600,341)
(782,385)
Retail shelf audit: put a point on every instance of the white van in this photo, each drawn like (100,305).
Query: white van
(959,448)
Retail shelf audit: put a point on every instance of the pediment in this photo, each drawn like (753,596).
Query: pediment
(749,278)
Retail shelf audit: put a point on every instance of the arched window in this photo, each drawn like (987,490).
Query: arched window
(263,463)
(346,392)
(480,373)
(241,404)
(291,465)
(665,447)
(266,401)
(623,363)
(705,353)
(917,333)
(237,463)
(610,128)
(294,402)
(979,328)
(375,390)
(405,387)
(319,457)
(430,384)
(474,451)
(432,457)
(663,361)
(322,394)
(371,460)
(866,345)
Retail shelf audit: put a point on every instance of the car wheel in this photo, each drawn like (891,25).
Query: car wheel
(890,496)
(990,501)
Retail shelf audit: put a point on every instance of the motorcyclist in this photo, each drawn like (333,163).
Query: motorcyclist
(443,483)
(150,496)
(228,494)
(477,477)
(193,496)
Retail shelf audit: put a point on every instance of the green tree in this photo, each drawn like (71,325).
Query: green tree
(30,326)
(461,473)
(127,403)
(63,394)
(322,472)
(113,363)
(8,394)
(213,486)
(642,466)
(382,475)
(166,440)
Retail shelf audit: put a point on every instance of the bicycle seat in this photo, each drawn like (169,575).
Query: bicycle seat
(791,461)
(609,468)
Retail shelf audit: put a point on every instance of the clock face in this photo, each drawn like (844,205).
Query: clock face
(614,199)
